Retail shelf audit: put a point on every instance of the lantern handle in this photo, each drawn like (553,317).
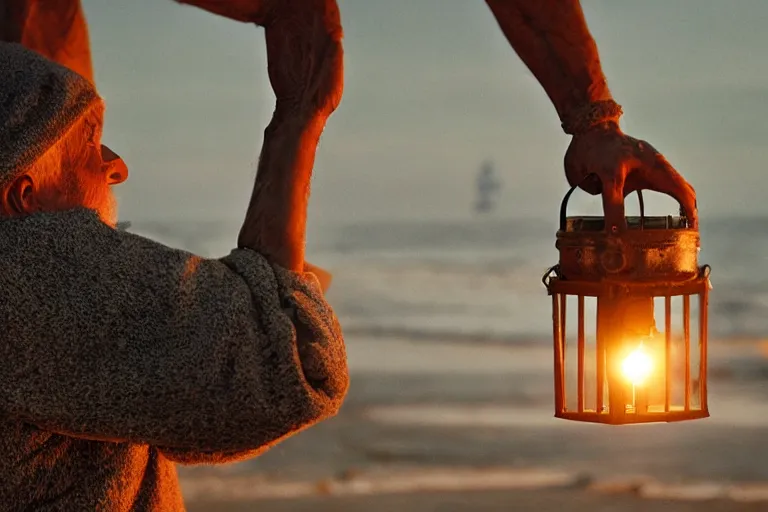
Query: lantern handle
(564,204)
(547,277)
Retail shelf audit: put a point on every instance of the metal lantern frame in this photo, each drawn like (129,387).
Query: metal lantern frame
(625,272)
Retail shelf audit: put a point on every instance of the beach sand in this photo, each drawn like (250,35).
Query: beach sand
(453,427)
(496,501)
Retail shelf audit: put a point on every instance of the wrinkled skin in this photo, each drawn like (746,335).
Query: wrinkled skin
(606,161)
(306,72)
(552,39)
(304,52)
(91,187)
(305,62)
(57,29)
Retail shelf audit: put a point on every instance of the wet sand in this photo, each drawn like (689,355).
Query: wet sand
(496,501)
(431,426)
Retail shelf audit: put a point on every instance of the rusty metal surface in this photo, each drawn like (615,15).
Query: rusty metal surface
(630,419)
(626,269)
(653,249)
(618,289)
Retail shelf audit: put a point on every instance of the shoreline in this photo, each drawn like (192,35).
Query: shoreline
(473,422)
(374,332)
(403,355)
(212,488)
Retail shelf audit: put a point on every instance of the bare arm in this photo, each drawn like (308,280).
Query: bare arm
(305,66)
(305,60)
(268,373)
(275,222)
(552,39)
(54,28)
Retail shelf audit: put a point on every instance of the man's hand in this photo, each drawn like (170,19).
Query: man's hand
(304,49)
(552,38)
(305,56)
(620,165)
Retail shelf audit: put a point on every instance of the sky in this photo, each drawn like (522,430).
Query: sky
(432,89)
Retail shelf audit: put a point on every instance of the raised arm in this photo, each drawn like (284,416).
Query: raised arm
(211,360)
(54,28)
(305,60)
(552,38)
(306,70)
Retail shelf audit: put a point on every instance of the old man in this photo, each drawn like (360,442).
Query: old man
(120,356)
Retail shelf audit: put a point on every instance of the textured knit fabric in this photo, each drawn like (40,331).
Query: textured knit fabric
(120,356)
(39,101)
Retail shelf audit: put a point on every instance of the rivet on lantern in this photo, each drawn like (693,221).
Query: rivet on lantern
(623,369)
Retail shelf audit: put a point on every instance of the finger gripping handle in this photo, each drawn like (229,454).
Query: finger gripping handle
(564,205)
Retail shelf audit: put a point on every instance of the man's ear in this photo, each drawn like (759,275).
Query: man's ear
(20,198)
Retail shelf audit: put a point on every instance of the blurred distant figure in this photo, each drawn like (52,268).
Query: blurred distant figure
(488,186)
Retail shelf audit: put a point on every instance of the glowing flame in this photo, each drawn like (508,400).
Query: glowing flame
(637,366)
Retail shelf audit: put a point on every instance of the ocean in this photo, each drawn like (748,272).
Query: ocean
(480,279)
(448,335)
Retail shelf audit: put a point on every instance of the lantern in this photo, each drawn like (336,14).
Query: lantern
(614,363)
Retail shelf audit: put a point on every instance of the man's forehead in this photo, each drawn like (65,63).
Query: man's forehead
(94,128)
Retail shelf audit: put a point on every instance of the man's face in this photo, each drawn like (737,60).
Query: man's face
(88,183)
(96,180)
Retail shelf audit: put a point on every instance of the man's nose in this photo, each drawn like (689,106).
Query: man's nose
(114,168)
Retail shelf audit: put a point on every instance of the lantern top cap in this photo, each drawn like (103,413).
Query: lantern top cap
(590,224)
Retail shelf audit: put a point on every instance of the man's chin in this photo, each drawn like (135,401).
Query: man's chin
(110,221)
(108,214)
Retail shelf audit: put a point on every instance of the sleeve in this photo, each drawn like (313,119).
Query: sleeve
(110,336)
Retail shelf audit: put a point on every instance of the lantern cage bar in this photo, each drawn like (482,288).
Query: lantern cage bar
(584,355)
(629,317)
